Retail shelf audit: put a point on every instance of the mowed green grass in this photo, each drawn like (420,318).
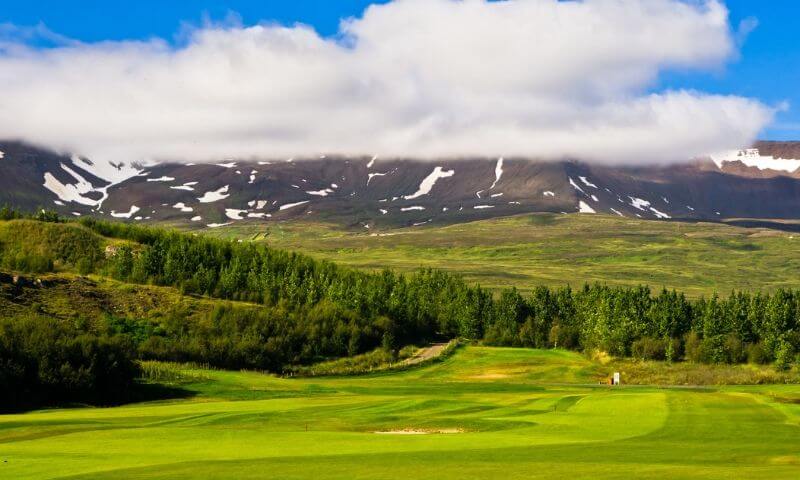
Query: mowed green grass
(519,414)
(545,249)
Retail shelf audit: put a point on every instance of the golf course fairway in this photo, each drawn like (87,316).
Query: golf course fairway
(481,413)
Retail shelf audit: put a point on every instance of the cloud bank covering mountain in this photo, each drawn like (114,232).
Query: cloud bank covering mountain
(410,78)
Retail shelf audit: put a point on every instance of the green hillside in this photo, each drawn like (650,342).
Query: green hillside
(554,250)
(84,298)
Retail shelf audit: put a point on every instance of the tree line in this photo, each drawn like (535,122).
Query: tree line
(44,361)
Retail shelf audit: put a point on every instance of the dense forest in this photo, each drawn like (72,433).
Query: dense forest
(312,310)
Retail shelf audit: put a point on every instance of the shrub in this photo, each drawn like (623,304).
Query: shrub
(758,354)
(693,348)
(648,348)
(735,351)
(562,336)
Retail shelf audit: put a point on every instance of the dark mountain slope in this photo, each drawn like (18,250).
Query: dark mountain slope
(367,193)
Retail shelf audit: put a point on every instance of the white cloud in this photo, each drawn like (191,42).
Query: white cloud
(427,78)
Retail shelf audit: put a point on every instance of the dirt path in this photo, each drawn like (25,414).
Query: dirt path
(426,354)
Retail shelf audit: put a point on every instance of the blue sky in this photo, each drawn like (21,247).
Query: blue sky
(768,68)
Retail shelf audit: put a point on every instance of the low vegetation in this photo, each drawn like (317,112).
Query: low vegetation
(649,372)
(379,359)
(554,250)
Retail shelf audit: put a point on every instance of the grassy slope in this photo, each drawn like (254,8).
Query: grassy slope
(530,250)
(520,420)
(67,296)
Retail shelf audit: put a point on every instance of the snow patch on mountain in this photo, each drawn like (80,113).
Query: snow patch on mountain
(321,193)
(226,164)
(290,205)
(127,214)
(215,195)
(549,194)
(584,207)
(409,209)
(105,170)
(498,172)
(659,214)
(235,214)
(644,206)
(182,207)
(753,158)
(162,179)
(74,192)
(575,185)
(370,175)
(639,203)
(587,182)
(429,181)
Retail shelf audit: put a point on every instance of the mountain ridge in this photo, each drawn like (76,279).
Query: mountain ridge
(368,192)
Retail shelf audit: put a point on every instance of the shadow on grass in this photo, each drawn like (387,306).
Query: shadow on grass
(141,392)
(149,392)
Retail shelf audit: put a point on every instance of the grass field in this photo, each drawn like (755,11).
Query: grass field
(545,249)
(484,412)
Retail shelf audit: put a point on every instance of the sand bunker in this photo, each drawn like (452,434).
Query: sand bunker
(418,431)
(489,376)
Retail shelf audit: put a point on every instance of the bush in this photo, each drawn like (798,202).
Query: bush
(37,247)
(49,216)
(653,348)
(693,348)
(29,262)
(562,336)
(757,354)
(734,348)
(8,213)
